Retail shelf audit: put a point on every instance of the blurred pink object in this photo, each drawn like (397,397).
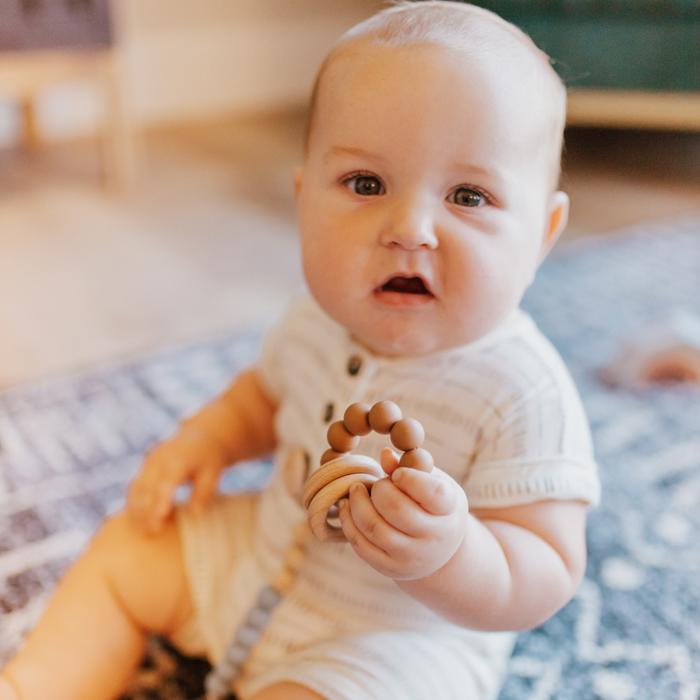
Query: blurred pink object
(663,352)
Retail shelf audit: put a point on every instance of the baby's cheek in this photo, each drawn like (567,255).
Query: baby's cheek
(325,263)
(480,286)
(319,276)
(470,288)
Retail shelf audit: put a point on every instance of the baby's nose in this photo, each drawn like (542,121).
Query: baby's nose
(410,226)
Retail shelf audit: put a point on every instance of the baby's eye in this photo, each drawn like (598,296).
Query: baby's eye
(467,197)
(365,185)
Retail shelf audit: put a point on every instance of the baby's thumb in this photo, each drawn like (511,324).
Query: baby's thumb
(203,488)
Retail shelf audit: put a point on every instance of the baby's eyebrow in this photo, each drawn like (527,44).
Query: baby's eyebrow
(350,151)
(476,169)
(498,177)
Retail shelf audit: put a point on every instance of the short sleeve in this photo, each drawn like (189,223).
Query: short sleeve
(535,446)
(279,342)
(272,356)
(270,362)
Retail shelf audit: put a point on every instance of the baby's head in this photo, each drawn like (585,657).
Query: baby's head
(427,197)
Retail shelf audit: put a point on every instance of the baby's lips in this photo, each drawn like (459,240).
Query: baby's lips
(407,282)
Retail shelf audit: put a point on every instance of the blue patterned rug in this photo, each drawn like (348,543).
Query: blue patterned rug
(69,446)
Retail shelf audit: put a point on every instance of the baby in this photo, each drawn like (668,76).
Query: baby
(427,199)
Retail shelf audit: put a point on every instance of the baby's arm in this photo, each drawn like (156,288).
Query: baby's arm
(514,568)
(500,569)
(237,425)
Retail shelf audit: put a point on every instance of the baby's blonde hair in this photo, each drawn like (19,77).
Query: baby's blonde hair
(458,26)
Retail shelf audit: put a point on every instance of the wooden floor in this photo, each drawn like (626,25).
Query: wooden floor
(206,242)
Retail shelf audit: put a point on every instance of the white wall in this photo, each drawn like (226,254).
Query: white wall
(195,59)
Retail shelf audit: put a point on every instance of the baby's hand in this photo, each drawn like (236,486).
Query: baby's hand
(412,523)
(189,456)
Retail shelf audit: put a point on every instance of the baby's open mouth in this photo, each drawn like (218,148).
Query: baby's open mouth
(404,290)
(406,285)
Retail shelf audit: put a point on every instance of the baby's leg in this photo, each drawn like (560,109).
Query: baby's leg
(91,636)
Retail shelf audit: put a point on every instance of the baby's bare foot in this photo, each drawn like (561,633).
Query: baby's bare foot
(7,691)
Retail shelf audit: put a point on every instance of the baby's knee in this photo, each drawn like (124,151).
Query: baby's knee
(121,544)
(117,534)
(146,571)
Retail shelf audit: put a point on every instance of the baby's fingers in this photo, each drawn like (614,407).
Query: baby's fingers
(139,501)
(170,477)
(162,504)
(204,487)
(389,460)
(151,493)
(435,492)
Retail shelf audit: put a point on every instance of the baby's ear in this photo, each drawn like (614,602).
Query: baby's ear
(298,171)
(557,218)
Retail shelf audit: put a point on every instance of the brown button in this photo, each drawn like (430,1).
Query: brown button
(328,413)
(354,364)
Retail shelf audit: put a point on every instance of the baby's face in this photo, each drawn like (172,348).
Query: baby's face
(425,199)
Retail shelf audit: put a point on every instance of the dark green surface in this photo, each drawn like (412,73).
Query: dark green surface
(633,45)
(595,8)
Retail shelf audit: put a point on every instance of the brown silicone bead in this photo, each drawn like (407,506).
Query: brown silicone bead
(383,416)
(417,459)
(340,439)
(328,455)
(355,418)
(407,434)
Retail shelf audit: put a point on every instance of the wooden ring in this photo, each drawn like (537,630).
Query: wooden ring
(339,471)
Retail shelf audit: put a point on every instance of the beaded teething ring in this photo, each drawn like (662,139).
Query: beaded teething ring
(340,468)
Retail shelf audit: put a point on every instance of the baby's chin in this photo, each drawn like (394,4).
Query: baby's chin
(421,335)
(382,339)
(403,333)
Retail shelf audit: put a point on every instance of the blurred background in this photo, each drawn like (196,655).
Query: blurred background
(147,149)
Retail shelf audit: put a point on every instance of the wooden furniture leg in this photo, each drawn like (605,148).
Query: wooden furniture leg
(117,158)
(30,131)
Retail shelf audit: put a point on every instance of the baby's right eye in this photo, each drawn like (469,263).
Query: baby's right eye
(364,185)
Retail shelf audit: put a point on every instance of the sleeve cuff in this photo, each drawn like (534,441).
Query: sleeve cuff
(505,483)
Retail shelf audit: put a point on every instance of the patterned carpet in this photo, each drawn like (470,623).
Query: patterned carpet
(68,446)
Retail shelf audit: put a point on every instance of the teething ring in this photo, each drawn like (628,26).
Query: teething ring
(340,469)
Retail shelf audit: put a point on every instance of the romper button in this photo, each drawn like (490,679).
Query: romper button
(354,364)
(328,413)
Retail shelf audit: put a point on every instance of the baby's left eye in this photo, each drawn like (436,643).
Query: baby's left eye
(468,197)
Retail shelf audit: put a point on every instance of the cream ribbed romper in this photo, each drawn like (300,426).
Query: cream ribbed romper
(501,416)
